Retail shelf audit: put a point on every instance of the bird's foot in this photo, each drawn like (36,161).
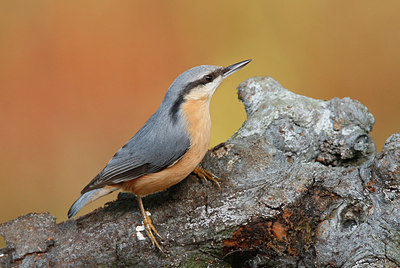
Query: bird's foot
(149,227)
(151,230)
(206,175)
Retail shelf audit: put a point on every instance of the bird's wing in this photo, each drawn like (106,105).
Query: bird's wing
(149,151)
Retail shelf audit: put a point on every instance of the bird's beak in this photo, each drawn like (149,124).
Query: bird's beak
(227,71)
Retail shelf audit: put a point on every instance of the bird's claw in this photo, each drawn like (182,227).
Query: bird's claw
(149,227)
(150,231)
(206,175)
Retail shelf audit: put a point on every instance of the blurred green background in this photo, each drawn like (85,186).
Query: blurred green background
(79,78)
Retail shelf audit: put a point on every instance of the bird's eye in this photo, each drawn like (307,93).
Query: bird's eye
(208,78)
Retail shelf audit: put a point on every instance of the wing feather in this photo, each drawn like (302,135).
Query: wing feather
(156,146)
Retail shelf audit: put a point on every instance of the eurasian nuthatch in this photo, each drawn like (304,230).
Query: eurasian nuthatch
(168,147)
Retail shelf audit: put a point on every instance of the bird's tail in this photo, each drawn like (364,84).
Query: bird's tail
(89,197)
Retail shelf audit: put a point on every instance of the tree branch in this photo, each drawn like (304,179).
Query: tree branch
(302,186)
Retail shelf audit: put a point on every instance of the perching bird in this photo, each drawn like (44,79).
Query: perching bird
(168,147)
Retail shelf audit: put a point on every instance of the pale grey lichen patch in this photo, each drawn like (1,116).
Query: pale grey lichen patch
(323,122)
(230,212)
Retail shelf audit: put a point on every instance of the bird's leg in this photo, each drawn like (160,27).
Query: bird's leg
(148,225)
(206,175)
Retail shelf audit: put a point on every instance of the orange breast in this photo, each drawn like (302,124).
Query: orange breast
(197,115)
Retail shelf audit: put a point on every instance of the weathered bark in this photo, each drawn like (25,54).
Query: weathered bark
(301,183)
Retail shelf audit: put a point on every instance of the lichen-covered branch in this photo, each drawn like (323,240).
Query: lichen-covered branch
(302,185)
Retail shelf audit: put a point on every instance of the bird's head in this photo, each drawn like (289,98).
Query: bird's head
(198,83)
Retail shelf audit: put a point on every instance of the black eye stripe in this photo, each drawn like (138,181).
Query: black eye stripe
(211,76)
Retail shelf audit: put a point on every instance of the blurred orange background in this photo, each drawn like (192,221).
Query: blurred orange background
(79,78)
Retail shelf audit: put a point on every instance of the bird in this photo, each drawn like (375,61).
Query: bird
(168,147)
